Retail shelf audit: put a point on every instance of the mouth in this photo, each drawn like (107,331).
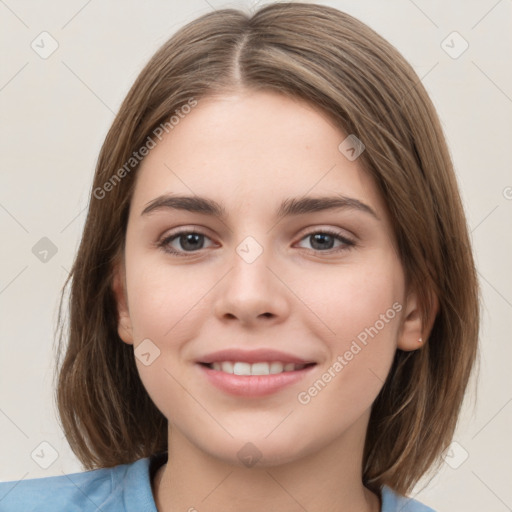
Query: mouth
(254,379)
(243,368)
(253,373)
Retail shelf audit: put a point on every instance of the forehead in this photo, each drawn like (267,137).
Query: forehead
(250,150)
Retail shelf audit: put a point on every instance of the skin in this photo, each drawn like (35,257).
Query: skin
(250,151)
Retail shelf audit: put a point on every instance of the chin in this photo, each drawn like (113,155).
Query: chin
(257,452)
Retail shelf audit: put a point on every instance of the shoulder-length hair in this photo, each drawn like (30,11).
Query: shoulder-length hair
(338,64)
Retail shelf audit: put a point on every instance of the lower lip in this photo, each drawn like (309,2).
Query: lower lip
(253,385)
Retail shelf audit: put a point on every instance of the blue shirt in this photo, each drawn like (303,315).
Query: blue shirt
(123,488)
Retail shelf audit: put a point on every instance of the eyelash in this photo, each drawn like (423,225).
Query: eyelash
(164,243)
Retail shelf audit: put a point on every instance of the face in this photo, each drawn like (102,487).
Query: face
(271,282)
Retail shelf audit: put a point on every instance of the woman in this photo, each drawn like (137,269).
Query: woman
(274,303)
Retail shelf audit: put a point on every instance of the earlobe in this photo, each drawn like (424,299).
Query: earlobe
(415,329)
(124,325)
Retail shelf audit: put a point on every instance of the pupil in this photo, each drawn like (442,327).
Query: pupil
(321,237)
(191,237)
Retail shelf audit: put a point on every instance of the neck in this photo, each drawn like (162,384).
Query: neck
(326,480)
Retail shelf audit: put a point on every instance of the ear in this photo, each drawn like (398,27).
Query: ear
(124,324)
(415,330)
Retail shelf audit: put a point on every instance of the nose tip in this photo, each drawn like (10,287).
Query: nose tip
(251,291)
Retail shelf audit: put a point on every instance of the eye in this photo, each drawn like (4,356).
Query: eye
(183,242)
(190,241)
(323,240)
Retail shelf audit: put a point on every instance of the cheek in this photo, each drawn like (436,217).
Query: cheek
(363,310)
(352,300)
(161,302)
(166,304)
(161,299)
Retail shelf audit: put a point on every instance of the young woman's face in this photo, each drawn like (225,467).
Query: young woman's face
(250,289)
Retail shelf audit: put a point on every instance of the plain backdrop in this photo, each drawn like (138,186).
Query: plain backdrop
(56,109)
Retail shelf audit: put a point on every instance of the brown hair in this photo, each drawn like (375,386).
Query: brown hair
(338,64)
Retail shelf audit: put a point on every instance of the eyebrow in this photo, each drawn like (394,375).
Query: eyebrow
(289,207)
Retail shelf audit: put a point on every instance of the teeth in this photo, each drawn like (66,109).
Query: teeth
(241,368)
(260,369)
(276,367)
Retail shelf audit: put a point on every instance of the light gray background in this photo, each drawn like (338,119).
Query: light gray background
(55,114)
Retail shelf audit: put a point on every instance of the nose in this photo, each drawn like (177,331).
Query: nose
(252,292)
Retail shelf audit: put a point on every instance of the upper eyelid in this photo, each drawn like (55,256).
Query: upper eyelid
(305,231)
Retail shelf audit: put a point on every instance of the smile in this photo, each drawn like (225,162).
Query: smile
(253,380)
(260,368)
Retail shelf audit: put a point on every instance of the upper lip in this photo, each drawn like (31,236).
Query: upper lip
(251,356)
